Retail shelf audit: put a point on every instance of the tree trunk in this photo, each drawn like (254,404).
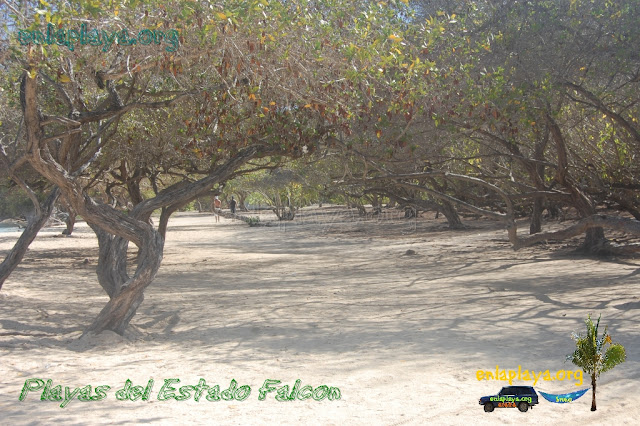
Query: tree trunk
(410,212)
(447,208)
(115,229)
(597,222)
(593,393)
(594,242)
(594,239)
(449,211)
(112,261)
(166,214)
(34,225)
(536,216)
(242,199)
(126,297)
(70,220)
(536,172)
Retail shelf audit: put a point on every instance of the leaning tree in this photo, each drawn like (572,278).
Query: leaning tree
(529,103)
(202,92)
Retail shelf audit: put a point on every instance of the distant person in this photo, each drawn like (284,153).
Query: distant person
(216,208)
(232,205)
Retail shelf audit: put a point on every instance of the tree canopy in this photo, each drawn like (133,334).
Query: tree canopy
(504,109)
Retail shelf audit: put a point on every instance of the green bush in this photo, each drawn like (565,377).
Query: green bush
(253,221)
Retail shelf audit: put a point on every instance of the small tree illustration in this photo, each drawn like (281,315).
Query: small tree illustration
(591,357)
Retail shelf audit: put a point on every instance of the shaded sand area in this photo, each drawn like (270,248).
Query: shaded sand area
(333,300)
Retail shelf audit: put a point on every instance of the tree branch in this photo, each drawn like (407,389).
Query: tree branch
(597,103)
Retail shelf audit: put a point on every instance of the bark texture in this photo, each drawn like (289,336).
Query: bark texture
(125,293)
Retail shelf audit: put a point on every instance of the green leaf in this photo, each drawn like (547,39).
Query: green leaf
(615,355)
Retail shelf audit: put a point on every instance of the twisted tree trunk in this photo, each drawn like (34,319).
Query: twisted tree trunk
(125,293)
(115,230)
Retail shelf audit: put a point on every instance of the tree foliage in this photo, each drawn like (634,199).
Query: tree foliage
(163,123)
(594,356)
(500,108)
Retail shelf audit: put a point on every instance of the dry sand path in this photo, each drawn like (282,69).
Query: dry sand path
(329,303)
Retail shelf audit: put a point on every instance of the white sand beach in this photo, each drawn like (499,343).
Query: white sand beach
(325,300)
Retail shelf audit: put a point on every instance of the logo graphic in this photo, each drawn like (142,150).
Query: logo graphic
(563,398)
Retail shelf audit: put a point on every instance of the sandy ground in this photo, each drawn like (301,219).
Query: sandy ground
(330,300)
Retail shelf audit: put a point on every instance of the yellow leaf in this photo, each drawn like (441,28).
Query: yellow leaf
(115,12)
(221,16)
(307,106)
(252,97)
(64,78)
(395,38)
(405,1)
(378,133)
(272,103)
